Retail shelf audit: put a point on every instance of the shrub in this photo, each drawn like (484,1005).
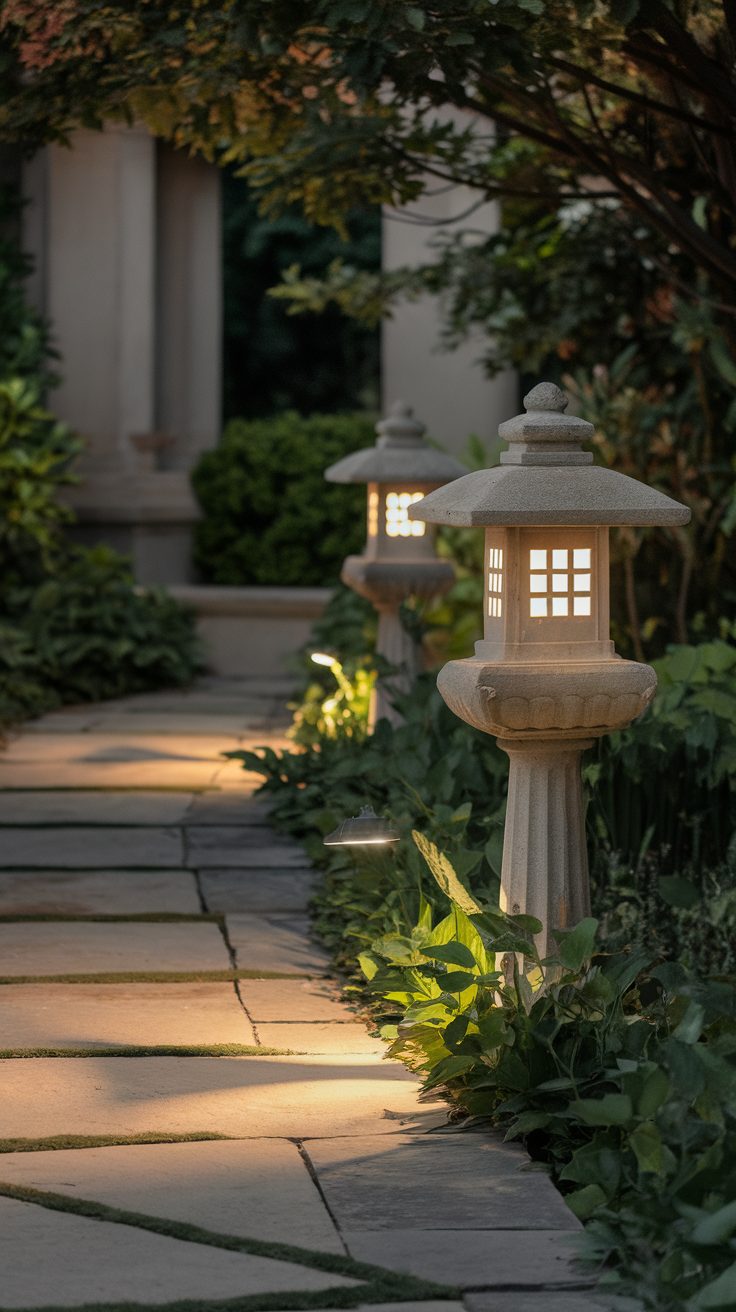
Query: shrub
(269,515)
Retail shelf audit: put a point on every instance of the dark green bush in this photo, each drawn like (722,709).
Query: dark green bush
(269,515)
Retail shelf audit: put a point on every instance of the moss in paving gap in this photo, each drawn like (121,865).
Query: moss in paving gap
(62,1142)
(156,977)
(381,1286)
(144,917)
(155,1050)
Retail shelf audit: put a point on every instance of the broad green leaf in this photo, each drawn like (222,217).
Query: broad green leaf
(457,954)
(455,981)
(576,946)
(655,1091)
(446,876)
(691,1026)
(583,1202)
(678,892)
(717,1227)
(720,1292)
(646,1143)
(611,1109)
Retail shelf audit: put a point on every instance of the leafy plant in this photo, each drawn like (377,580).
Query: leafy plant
(269,515)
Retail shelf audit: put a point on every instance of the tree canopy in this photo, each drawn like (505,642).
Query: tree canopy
(341,103)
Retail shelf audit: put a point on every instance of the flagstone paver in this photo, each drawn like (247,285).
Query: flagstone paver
(250,845)
(128,808)
(275,942)
(90,948)
(293,1000)
(54,1259)
(255,890)
(94,808)
(75,848)
(254,1188)
(108,1015)
(97,892)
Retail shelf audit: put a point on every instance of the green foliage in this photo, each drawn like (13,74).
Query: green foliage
(269,515)
(272,360)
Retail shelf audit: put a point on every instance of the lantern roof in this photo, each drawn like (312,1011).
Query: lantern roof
(401,455)
(546,478)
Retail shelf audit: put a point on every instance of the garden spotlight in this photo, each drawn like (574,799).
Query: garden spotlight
(365,829)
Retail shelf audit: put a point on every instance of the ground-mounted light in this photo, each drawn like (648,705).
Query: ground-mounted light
(364,830)
(545,678)
(399,560)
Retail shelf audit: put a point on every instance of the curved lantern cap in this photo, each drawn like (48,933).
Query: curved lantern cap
(545,478)
(400,455)
(359,830)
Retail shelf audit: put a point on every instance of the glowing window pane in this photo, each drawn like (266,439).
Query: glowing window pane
(581,606)
(537,559)
(559,582)
(499,604)
(398,524)
(581,558)
(559,605)
(582,582)
(537,607)
(373,500)
(559,558)
(538,583)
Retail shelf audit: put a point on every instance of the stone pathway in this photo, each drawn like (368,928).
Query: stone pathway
(190,1113)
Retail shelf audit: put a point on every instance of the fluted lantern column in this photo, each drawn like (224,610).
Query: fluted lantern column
(399,559)
(545,679)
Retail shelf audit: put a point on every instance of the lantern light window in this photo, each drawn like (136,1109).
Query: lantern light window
(560,582)
(398,524)
(495,582)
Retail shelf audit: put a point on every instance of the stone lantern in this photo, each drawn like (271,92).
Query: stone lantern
(545,679)
(399,559)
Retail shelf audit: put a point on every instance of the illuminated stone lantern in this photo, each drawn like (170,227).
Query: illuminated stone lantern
(545,679)
(399,559)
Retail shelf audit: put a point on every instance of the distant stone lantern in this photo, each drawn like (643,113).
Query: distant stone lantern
(399,559)
(545,679)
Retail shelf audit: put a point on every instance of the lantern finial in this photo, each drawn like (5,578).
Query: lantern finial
(545,435)
(400,427)
(545,396)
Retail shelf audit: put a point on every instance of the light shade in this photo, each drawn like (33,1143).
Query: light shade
(363,830)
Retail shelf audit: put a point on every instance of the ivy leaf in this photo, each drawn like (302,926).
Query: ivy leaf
(717,1227)
(691,1026)
(612,1109)
(646,1143)
(576,945)
(583,1202)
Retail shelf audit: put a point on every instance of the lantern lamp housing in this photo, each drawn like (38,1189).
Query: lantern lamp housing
(365,829)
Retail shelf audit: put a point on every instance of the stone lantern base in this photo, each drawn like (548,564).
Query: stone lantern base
(387,584)
(544,716)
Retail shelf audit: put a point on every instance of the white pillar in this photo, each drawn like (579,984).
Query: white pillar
(449,386)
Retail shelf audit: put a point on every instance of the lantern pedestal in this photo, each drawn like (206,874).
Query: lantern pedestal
(545,862)
(544,716)
(387,584)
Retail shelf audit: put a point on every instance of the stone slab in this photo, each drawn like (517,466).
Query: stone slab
(253,1188)
(321,1036)
(69,847)
(97,892)
(207,723)
(536,1301)
(248,845)
(516,1259)
(56,760)
(112,1015)
(248,1097)
(277,943)
(253,890)
(294,1000)
(51,1258)
(78,948)
(228,809)
(94,808)
(432,1182)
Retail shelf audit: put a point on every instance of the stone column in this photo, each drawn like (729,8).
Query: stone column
(397,647)
(545,862)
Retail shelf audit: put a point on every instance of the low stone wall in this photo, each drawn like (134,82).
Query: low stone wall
(252,631)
